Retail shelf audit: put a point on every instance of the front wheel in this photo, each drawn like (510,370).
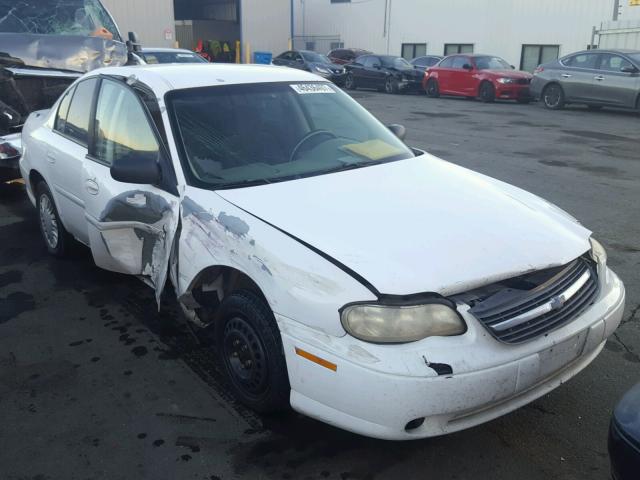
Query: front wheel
(53,232)
(249,342)
(553,97)
(391,85)
(487,92)
(350,82)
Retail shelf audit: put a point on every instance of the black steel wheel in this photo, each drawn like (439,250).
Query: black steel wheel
(248,340)
(487,92)
(553,97)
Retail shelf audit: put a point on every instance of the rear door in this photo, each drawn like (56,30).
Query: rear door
(611,85)
(131,226)
(578,75)
(358,70)
(65,153)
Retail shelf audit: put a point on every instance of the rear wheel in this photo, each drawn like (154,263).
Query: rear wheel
(553,97)
(432,88)
(487,92)
(350,82)
(249,342)
(53,232)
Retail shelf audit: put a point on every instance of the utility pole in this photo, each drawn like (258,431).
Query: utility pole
(616,9)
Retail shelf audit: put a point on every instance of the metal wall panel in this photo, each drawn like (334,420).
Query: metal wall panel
(499,27)
(266,25)
(152,20)
(621,34)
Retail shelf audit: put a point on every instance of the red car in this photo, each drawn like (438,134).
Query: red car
(482,76)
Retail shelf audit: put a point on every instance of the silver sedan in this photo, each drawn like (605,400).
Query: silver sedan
(597,78)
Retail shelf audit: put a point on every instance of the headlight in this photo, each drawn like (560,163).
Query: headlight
(401,323)
(506,80)
(324,70)
(598,253)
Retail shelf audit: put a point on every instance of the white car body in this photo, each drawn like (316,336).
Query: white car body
(316,244)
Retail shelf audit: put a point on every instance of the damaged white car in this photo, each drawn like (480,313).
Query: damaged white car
(366,284)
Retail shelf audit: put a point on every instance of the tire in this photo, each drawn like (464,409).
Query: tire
(553,97)
(249,343)
(56,238)
(487,92)
(391,85)
(432,89)
(350,82)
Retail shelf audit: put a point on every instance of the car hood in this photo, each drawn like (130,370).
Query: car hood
(332,66)
(509,73)
(419,225)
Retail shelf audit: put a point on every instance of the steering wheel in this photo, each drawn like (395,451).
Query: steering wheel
(306,138)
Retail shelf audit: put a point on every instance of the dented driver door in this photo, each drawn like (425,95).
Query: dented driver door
(130,226)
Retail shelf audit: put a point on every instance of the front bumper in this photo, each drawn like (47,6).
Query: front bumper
(513,92)
(410,85)
(376,390)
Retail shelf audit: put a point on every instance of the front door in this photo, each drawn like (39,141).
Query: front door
(611,85)
(131,226)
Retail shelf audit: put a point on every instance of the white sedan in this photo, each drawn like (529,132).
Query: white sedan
(366,284)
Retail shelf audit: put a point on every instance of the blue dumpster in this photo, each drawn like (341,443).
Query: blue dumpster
(263,58)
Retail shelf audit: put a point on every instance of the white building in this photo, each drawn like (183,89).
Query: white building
(524,32)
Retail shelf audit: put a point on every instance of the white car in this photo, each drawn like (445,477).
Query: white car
(366,284)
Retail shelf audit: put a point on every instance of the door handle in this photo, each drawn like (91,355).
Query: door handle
(51,158)
(92,186)
(599,78)
(566,75)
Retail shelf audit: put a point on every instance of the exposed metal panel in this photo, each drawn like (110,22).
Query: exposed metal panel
(266,25)
(498,27)
(621,34)
(152,20)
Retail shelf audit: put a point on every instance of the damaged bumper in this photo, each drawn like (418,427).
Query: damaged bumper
(399,392)
(10,152)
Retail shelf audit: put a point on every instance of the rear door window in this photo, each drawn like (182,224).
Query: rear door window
(77,123)
(583,60)
(63,111)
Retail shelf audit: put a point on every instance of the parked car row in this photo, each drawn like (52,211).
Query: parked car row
(596,78)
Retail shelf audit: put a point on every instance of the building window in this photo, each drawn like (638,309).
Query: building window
(340,1)
(336,45)
(310,46)
(413,50)
(453,48)
(534,55)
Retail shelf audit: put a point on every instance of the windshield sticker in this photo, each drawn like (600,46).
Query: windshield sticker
(373,149)
(307,88)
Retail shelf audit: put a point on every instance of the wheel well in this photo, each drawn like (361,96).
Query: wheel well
(550,84)
(210,287)
(34,179)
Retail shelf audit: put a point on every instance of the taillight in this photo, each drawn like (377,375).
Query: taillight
(539,69)
(7,151)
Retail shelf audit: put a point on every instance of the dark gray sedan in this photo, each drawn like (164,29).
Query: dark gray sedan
(597,78)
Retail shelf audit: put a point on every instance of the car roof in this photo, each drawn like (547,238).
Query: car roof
(166,77)
(622,51)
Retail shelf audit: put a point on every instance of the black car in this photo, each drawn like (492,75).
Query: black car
(426,61)
(624,437)
(312,62)
(344,56)
(385,73)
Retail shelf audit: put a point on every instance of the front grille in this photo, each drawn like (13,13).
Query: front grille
(524,81)
(517,316)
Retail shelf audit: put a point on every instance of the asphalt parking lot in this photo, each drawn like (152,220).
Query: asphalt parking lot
(96,384)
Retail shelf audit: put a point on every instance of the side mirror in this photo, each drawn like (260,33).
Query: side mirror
(133,44)
(630,69)
(137,167)
(299,60)
(467,66)
(513,67)
(398,130)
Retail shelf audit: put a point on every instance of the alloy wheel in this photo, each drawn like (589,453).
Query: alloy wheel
(48,221)
(553,96)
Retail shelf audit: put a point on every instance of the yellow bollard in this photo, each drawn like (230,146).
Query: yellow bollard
(247,53)
(238,60)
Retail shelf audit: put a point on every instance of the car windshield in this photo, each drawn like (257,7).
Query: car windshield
(56,17)
(491,63)
(172,57)
(315,57)
(395,62)
(239,135)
